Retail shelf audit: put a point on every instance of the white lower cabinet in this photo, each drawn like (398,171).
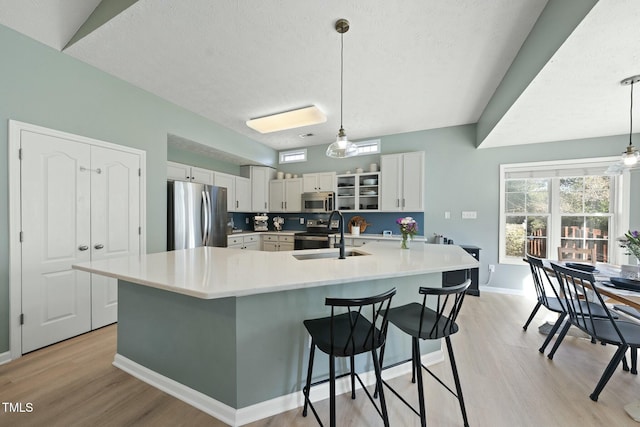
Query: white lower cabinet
(275,242)
(251,242)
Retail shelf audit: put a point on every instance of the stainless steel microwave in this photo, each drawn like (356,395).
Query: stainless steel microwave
(320,201)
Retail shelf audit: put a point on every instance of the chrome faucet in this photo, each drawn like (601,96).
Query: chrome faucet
(341,224)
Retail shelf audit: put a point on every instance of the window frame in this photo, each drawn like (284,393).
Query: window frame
(362,145)
(620,201)
(282,156)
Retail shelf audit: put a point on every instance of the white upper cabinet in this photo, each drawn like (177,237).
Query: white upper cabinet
(402,181)
(181,172)
(325,181)
(238,191)
(260,177)
(285,195)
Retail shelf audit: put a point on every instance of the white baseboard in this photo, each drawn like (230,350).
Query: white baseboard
(5,357)
(269,408)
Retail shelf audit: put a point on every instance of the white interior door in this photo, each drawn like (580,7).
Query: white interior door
(115,221)
(55,215)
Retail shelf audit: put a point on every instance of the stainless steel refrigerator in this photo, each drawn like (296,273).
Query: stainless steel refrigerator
(196,215)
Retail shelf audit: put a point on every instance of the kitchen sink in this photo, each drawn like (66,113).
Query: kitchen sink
(325,255)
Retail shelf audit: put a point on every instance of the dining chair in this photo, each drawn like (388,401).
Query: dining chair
(434,319)
(356,326)
(587,255)
(621,333)
(542,283)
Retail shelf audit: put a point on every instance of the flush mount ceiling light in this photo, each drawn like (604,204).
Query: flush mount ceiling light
(631,155)
(288,120)
(342,147)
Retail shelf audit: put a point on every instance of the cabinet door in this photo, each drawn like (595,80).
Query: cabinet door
(260,177)
(327,181)
(276,195)
(270,246)
(201,176)
(178,171)
(413,181)
(115,221)
(309,182)
(293,195)
(243,194)
(227,181)
(390,185)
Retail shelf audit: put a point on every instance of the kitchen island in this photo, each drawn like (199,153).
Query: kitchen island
(222,328)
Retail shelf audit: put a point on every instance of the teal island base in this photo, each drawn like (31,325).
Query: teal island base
(244,358)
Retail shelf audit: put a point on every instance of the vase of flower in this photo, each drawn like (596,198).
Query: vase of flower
(405,242)
(408,228)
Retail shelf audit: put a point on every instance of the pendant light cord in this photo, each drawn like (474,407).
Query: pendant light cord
(342,74)
(631,116)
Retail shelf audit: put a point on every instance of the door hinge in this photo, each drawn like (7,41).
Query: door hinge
(22,318)
(20,153)
(21,236)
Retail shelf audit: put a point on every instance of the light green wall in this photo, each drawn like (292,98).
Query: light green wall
(42,86)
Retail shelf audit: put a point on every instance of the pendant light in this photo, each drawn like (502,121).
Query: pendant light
(631,155)
(342,147)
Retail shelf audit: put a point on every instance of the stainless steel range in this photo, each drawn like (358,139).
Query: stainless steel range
(319,234)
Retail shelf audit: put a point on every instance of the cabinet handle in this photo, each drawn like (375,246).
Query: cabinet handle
(83,247)
(397,203)
(265,205)
(99,246)
(237,203)
(403,203)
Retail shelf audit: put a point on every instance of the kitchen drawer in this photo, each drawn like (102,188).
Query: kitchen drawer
(251,238)
(286,239)
(270,238)
(237,240)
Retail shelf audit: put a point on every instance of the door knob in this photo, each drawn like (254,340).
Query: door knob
(83,247)
(99,246)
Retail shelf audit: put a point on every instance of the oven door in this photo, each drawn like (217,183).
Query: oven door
(311,242)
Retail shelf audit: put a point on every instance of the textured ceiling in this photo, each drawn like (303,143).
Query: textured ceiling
(409,64)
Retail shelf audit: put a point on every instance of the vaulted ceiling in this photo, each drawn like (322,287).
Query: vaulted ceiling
(408,64)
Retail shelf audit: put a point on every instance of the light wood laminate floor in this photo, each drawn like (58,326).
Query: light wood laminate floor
(505,380)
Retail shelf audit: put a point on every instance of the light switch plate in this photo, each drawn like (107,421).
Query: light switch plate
(469,214)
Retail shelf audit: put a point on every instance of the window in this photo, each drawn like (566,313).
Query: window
(368,147)
(550,204)
(293,156)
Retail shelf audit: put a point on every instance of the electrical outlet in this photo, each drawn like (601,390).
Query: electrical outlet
(492,268)
(469,214)
(447,215)
(246,220)
(302,221)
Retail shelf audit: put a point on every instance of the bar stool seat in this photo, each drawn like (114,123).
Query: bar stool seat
(361,329)
(422,322)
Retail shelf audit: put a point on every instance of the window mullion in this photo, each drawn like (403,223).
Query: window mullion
(556,217)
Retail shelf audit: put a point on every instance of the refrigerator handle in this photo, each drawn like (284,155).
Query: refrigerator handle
(207,212)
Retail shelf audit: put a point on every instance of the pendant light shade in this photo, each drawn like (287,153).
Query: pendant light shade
(631,155)
(342,147)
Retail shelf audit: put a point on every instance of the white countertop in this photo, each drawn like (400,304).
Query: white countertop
(210,273)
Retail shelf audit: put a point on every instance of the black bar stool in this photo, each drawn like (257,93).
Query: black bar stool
(422,322)
(346,335)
